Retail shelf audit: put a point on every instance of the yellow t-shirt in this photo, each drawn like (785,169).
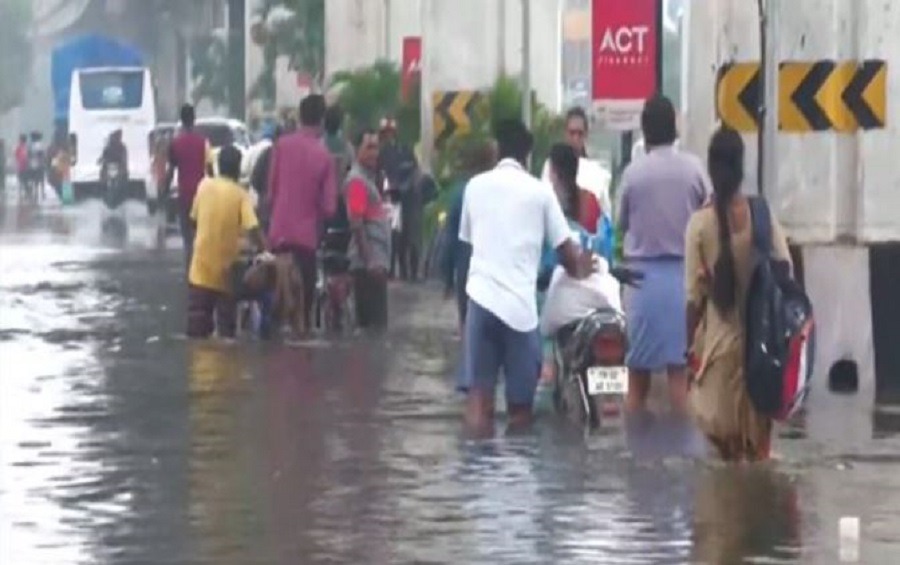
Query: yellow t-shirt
(222,210)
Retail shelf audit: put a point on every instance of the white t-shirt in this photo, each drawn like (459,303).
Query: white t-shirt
(593,177)
(507,216)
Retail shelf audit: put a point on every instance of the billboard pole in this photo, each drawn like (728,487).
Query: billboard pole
(768,112)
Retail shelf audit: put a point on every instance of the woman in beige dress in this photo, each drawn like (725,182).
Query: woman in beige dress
(717,272)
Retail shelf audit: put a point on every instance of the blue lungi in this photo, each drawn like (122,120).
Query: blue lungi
(655,315)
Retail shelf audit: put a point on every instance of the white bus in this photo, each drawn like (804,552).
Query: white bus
(101,101)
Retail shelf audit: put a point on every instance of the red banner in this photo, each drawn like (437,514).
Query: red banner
(624,40)
(412,63)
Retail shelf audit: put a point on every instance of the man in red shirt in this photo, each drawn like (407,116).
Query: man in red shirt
(188,154)
(302,193)
(370,247)
(22,160)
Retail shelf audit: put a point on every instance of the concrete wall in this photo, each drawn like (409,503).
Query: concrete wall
(829,186)
(354,31)
(462,39)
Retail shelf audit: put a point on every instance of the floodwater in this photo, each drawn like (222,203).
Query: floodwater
(121,442)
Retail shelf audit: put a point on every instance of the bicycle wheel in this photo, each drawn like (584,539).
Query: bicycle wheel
(320,309)
(349,312)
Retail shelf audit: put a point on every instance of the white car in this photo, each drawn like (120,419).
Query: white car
(219,132)
(226,131)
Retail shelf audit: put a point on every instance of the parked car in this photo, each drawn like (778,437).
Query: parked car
(219,132)
(225,131)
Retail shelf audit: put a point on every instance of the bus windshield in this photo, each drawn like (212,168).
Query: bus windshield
(112,90)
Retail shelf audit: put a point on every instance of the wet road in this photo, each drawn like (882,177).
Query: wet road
(120,442)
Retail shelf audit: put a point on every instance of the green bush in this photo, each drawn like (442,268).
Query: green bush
(368,94)
(371,93)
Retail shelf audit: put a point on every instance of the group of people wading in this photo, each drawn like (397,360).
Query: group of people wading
(686,228)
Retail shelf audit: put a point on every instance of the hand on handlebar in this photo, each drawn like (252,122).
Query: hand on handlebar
(264,257)
(626,276)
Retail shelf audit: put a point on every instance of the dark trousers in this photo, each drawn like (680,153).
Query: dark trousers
(210,310)
(405,254)
(462,300)
(305,260)
(370,294)
(187,233)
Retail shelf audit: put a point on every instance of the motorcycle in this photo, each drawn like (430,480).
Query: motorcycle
(114,187)
(114,226)
(590,361)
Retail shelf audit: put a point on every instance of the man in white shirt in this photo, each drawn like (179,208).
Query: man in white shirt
(507,216)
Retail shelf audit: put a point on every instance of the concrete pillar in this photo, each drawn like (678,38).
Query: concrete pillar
(464,39)
(836,194)
(353,34)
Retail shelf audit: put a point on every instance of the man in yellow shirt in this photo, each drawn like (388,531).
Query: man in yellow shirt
(221,213)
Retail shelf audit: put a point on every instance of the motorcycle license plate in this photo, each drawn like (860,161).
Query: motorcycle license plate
(607,380)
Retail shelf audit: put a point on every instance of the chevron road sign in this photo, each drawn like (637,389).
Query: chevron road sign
(453,113)
(841,96)
(738,95)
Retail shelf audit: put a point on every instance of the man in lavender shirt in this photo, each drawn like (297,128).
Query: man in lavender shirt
(302,193)
(658,193)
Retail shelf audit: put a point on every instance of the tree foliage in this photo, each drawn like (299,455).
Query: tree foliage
(288,28)
(210,69)
(369,93)
(15,52)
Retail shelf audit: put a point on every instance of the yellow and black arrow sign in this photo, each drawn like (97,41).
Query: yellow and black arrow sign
(828,95)
(453,113)
(832,95)
(738,95)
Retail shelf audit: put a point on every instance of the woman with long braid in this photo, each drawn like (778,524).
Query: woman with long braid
(718,265)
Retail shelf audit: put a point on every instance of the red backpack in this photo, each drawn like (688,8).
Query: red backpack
(780,329)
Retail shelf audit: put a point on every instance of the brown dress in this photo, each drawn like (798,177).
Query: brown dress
(718,397)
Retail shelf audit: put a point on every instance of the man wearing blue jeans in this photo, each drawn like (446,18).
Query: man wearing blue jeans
(507,216)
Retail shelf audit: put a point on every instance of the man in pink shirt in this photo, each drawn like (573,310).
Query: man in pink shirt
(302,193)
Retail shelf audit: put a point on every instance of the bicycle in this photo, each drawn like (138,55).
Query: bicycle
(334,299)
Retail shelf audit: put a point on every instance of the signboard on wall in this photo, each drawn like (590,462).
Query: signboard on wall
(412,63)
(624,50)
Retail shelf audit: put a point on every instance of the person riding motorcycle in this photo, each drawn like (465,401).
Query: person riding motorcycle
(115,153)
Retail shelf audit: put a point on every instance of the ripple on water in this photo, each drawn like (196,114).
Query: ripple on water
(122,446)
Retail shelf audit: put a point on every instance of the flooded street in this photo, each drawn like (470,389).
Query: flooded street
(121,442)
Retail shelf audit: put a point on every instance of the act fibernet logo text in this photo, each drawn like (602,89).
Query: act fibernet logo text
(625,45)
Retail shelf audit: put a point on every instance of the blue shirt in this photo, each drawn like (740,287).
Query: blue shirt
(458,253)
(659,192)
(601,244)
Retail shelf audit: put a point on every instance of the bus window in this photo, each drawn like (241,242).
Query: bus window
(112,90)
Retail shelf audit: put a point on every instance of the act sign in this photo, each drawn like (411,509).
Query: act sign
(412,64)
(624,37)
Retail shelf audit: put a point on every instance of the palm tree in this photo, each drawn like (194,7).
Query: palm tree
(368,94)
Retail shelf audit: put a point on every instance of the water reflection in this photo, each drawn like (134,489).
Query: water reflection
(122,443)
(746,514)
(222,504)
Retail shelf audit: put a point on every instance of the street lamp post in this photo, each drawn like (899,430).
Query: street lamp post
(426,139)
(387,30)
(501,38)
